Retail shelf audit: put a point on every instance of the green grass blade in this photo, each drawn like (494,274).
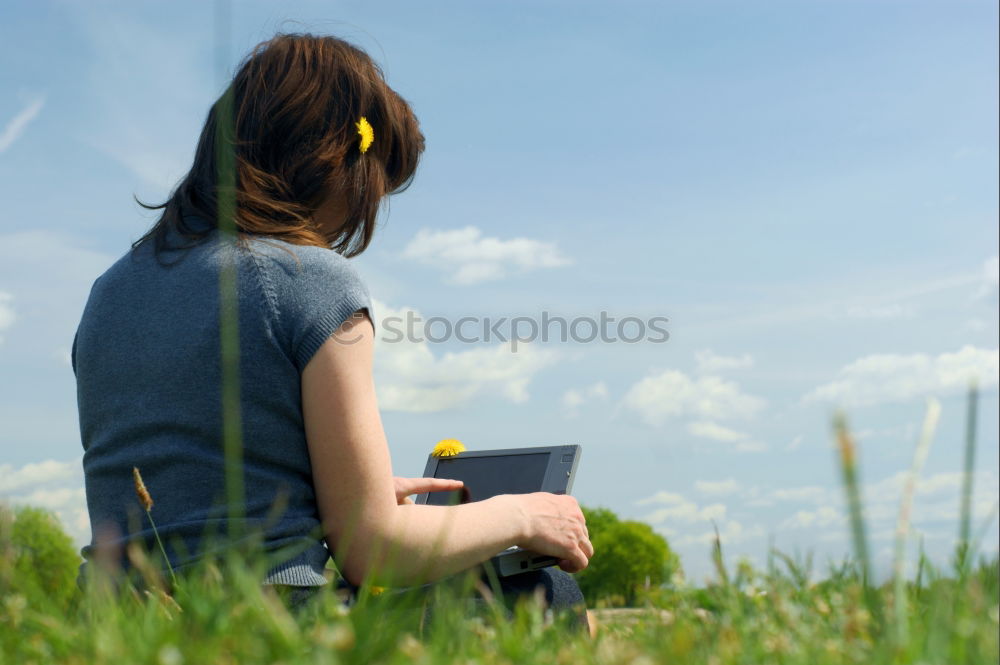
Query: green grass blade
(852,488)
(232,425)
(965,525)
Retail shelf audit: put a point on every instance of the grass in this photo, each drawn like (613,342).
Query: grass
(220,614)
(777,616)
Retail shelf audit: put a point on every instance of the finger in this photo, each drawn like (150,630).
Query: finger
(587,547)
(445,483)
(575,563)
(419,485)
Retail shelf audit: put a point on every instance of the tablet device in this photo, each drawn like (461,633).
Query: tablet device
(487,473)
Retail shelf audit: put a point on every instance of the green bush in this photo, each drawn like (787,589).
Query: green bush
(629,559)
(42,560)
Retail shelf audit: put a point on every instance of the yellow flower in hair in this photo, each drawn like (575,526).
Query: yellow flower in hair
(448,448)
(366,133)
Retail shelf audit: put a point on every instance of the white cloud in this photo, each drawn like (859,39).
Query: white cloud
(942,482)
(947,511)
(715,432)
(936,500)
(53,485)
(36,474)
(19,123)
(687,511)
(720,487)
(730,533)
(469,258)
(889,377)
(709,362)
(57,499)
(7,316)
(674,508)
(889,534)
(903,432)
(811,493)
(660,497)
(409,377)
(889,489)
(757,497)
(824,516)
(574,398)
(671,393)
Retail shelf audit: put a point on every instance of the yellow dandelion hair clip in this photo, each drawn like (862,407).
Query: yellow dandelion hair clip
(366,133)
(448,448)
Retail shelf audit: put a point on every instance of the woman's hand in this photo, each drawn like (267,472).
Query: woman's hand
(408,486)
(555,525)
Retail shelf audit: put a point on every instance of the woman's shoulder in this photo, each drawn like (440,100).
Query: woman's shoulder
(306,278)
(311,290)
(296,263)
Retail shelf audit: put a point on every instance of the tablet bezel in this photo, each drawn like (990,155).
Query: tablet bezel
(559,473)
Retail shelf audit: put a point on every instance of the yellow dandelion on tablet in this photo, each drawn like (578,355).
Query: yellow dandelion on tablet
(366,133)
(448,448)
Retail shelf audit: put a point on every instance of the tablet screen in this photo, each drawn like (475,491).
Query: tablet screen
(488,476)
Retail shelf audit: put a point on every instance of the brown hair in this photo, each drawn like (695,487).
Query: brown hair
(295,103)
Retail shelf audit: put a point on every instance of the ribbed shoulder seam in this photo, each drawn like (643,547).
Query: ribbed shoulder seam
(267,287)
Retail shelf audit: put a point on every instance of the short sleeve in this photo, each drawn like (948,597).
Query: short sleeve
(312,292)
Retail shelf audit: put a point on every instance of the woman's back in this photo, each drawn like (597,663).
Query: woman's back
(148,363)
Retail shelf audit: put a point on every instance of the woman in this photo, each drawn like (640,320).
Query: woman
(312,140)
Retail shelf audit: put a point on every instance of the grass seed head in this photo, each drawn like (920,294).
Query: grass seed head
(140,490)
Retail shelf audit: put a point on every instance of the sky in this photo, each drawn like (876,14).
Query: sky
(806,192)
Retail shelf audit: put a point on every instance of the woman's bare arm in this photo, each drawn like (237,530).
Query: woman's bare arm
(368,532)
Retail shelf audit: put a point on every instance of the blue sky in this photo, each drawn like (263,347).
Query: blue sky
(807,190)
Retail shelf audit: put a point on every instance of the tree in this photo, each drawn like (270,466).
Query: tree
(44,557)
(628,557)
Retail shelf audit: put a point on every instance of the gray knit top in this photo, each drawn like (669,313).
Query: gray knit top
(148,370)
